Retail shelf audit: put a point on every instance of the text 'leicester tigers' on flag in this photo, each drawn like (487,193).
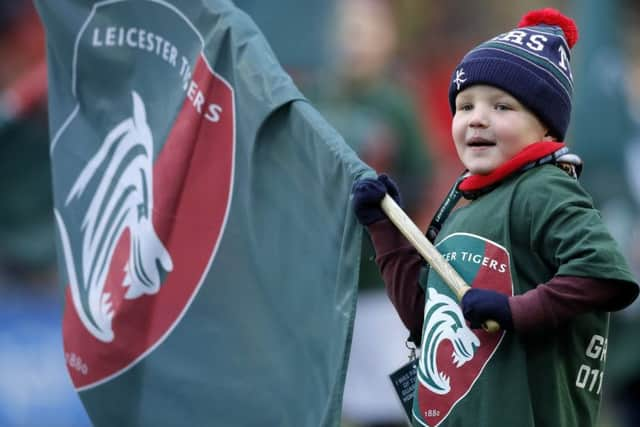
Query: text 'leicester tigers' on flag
(206,243)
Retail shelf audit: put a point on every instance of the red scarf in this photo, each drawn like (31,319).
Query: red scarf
(530,154)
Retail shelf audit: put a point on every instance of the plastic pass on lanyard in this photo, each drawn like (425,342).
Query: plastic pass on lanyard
(404,382)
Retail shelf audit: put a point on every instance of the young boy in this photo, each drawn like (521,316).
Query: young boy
(529,242)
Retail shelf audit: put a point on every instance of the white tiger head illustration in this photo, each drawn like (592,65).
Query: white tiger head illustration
(444,321)
(114,193)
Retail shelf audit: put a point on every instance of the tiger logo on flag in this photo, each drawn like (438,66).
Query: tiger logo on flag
(122,200)
(143,170)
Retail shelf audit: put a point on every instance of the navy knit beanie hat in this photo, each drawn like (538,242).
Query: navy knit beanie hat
(531,63)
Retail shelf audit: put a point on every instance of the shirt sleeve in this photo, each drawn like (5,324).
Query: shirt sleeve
(589,272)
(400,266)
(566,230)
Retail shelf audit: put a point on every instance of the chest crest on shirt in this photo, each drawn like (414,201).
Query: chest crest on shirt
(453,355)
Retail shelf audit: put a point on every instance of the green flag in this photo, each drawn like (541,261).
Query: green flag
(206,241)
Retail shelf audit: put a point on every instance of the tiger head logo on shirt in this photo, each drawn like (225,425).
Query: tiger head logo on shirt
(453,355)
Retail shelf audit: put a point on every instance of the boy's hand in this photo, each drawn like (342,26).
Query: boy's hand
(480,305)
(367,195)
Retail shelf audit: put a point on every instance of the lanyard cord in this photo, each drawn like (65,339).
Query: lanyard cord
(441,215)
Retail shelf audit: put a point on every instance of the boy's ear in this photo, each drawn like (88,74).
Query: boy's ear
(549,137)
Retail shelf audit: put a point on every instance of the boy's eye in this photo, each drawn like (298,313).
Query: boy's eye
(465,107)
(503,107)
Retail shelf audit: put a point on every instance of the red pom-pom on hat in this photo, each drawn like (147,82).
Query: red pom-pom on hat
(552,16)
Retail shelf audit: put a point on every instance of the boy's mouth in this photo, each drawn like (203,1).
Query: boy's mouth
(480,142)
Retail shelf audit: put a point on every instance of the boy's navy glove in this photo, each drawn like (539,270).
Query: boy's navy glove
(367,195)
(480,305)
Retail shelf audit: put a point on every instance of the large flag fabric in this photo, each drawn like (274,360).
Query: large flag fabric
(206,242)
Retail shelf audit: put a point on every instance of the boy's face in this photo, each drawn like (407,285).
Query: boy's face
(490,127)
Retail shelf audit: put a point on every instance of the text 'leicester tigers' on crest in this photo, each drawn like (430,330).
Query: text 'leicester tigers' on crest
(144,171)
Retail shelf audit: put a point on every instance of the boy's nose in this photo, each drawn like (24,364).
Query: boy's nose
(479,117)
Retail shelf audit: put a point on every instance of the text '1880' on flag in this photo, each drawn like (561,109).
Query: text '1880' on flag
(206,243)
